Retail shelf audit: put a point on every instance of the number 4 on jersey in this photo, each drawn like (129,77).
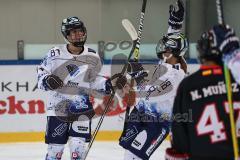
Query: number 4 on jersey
(209,123)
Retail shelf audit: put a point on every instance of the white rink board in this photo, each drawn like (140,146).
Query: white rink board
(17,92)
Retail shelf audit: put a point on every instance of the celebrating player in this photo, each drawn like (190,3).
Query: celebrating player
(208,135)
(150,120)
(67,73)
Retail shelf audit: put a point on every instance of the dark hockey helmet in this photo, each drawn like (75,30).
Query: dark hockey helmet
(207,48)
(176,43)
(74,23)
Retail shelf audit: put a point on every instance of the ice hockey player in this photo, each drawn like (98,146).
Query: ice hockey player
(68,73)
(150,120)
(208,135)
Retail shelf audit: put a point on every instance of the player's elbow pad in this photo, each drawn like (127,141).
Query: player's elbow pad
(172,154)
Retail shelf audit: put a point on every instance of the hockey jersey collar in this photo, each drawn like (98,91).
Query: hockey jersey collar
(211,70)
(177,66)
(80,53)
(204,67)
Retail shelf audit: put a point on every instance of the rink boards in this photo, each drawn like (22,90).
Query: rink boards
(22,106)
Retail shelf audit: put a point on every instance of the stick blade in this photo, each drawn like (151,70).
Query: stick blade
(130,29)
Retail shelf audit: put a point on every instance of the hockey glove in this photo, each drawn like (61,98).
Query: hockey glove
(172,154)
(52,82)
(121,82)
(136,71)
(226,39)
(108,87)
(176,16)
(228,45)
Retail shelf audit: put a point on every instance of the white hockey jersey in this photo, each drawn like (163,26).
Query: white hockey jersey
(79,74)
(157,96)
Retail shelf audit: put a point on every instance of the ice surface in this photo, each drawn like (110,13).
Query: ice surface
(99,151)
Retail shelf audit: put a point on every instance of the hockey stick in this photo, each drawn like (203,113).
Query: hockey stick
(135,49)
(136,42)
(130,29)
(219,6)
(133,34)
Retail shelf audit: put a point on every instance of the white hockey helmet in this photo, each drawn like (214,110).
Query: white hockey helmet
(176,43)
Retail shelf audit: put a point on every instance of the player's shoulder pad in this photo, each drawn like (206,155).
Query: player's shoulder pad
(91,50)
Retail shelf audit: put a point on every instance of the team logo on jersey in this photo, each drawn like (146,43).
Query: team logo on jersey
(77,106)
(72,68)
(84,102)
(130,133)
(59,130)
